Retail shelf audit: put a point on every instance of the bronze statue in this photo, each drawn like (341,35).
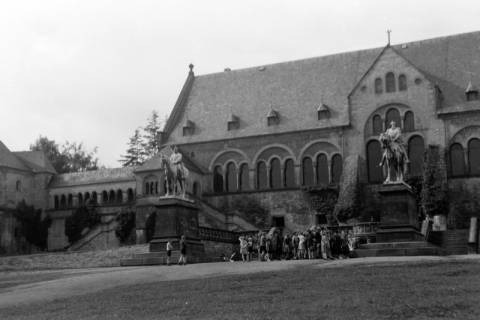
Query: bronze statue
(394,158)
(176,174)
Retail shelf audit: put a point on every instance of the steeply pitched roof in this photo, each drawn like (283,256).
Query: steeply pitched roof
(9,160)
(36,160)
(93,177)
(296,88)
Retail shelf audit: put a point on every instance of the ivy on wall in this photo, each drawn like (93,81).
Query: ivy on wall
(32,227)
(250,209)
(125,225)
(82,218)
(434,193)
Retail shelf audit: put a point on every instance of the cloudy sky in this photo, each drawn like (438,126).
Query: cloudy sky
(93,70)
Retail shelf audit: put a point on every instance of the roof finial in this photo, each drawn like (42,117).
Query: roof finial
(388,35)
(190,66)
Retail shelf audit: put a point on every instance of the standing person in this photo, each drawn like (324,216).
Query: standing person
(243,248)
(295,245)
(183,251)
(301,246)
(262,247)
(269,248)
(318,243)
(250,248)
(169,251)
(323,244)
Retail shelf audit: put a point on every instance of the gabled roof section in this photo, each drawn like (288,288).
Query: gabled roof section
(37,161)
(10,160)
(296,88)
(179,106)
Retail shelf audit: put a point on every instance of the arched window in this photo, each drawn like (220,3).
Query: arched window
(80,200)
(289,172)
(63,202)
(408,122)
(390,82)
(86,198)
(55,202)
(377,125)
(147,188)
(111,196)
(307,171)
(322,170)
(393,115)
(94,197)
(130,195)
(152,187)
(337,167)
(275,174)
(195,189)
(378,85)
(244,184)
(262,182)
(217,179)
(119,196)
(374,155)
(104,196)
(231,176)
(416,150)
(18,186)
(70,200)
(457,160)
(402,82)
(474,156)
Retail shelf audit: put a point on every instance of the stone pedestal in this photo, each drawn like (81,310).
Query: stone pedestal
(176,217)
(398,218)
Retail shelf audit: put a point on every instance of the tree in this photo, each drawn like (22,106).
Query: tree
(434,198)
(32,226)
(151,143)
(135,154)
(79,159)
(52,151)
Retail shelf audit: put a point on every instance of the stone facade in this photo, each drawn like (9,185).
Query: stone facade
(282,140)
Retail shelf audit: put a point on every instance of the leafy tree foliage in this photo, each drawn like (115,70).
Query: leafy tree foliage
(32,226)
(70,157)
(126,223)
(151,143)
(434,198)
(83,217)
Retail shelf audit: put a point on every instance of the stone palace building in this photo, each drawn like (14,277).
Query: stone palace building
(284,144)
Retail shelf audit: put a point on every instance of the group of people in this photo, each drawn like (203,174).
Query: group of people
(315,243)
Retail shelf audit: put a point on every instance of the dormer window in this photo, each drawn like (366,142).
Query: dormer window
(189,128)
(323,112)
(233,123)
(471,92)
(273,118)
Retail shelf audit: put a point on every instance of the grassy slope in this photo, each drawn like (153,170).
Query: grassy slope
(415,291)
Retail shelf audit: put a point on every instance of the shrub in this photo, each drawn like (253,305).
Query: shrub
(32,226)
(150,226)
(81,218)
(125,225)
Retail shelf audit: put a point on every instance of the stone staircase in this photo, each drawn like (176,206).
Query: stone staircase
(407,248)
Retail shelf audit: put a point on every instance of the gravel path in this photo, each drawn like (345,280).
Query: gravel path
(23,287)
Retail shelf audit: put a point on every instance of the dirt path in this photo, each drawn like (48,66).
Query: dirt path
(45,286)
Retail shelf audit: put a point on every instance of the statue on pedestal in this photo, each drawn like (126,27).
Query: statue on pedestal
(176,174)
(394,158)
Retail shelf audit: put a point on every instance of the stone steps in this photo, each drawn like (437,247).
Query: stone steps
(407,248)
(159,258)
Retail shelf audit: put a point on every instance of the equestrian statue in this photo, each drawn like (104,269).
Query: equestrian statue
(394,157)
(176,174)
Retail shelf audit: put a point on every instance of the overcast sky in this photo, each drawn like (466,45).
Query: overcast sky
(92,71)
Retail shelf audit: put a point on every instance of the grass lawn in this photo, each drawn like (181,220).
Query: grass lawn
(427,290)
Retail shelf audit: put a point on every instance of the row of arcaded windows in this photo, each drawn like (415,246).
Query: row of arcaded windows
(274,175)
(390,83)
(458,166)
(416,150)
(407,125)
(108,197)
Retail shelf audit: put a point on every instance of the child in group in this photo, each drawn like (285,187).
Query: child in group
(183,251)
(243,248)
(169,251)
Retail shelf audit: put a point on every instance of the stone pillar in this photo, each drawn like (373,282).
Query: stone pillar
(298,172)
(251,177)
